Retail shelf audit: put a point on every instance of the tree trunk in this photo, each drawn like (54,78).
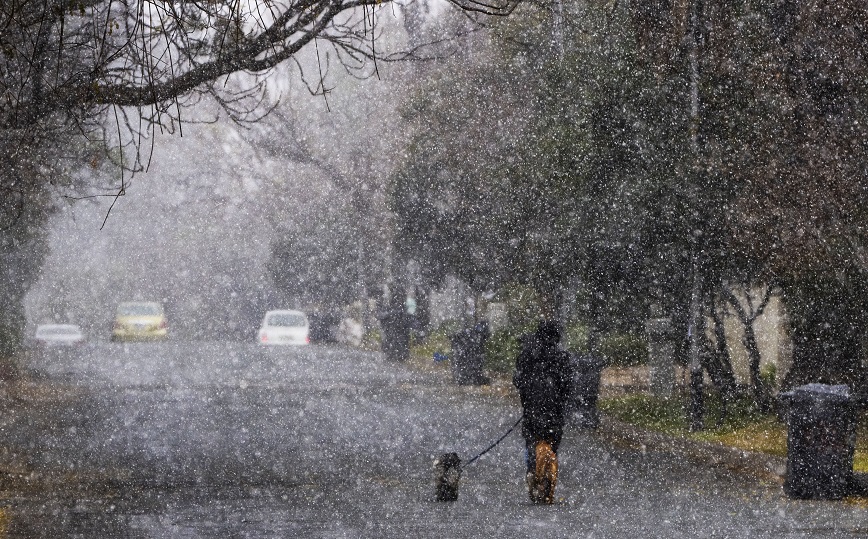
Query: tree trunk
(747,317)
(720,364)
(762,393)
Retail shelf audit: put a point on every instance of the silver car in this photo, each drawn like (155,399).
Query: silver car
(58,336)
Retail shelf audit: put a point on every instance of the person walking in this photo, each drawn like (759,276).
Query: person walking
(543,377)
(395,329)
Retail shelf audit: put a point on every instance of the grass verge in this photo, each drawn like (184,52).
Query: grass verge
(742,427)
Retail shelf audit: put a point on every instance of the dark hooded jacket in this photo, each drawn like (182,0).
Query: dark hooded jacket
(543,377)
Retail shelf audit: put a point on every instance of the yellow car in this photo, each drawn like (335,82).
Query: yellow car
(139,321)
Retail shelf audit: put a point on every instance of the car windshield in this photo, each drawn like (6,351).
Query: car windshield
(57,330)
(139,309)
(286,320)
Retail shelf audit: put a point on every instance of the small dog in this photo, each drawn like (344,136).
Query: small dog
(447,473)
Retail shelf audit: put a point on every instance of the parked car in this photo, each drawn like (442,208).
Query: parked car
(58,335)
(140,320)
(284,327)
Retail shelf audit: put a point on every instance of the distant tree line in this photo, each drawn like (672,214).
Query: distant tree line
(88,84)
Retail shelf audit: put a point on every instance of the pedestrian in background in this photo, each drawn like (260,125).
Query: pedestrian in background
(543,377)
(395,329)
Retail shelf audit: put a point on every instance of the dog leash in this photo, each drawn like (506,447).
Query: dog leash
(492,446)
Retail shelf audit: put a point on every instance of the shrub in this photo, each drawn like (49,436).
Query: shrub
(522,305)
(670,414)
(436,340)
(371,340)
(624,349)
(769,375)
(618,349)
(502,349)
(576,338)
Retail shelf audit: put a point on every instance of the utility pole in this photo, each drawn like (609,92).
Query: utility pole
(558,29)
(697,404)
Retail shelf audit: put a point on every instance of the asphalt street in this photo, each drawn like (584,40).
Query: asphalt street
(211,439)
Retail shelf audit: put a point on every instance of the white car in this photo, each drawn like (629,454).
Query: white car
(52,335)
(284,327)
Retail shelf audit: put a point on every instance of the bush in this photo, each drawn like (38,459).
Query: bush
(669,415)
(502,349)
(437,340)
(618,349)
(371,340)
(576,338)
(448,328)
(624,349)
(769,375)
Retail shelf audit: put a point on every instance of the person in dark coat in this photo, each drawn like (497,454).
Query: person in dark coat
(395,327)
(543,377)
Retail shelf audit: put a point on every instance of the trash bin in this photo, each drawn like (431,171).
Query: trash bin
(460,360)
(468,355)
(582,409)
(821,437)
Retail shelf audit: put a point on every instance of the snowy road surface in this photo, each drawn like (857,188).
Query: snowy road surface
(223,440)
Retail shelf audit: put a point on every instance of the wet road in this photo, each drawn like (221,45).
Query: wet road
(202,440)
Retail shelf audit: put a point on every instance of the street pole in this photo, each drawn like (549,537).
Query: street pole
(696,391)
(558,20)
(697,403)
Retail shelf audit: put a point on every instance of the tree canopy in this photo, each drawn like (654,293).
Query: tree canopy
(753,177)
